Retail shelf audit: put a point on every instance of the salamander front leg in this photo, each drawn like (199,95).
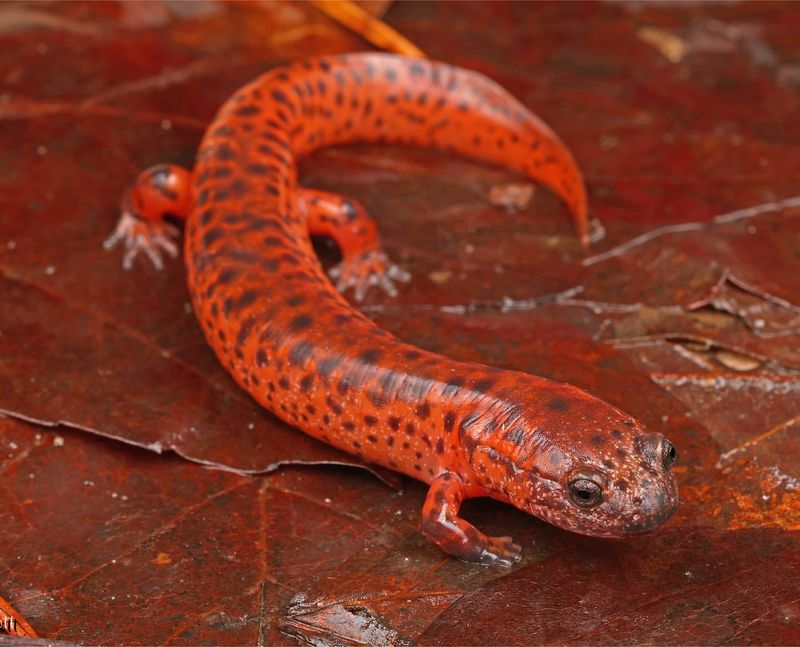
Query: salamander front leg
(364,263)
(158,191)
(442,525)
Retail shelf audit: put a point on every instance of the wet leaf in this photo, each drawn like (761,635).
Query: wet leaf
(691,162)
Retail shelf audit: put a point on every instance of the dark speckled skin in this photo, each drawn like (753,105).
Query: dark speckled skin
(295,344)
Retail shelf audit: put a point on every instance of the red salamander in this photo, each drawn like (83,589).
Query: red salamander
(286,334)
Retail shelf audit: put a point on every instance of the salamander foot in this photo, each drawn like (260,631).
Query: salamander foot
(500,551)
(136,235)
(365,270)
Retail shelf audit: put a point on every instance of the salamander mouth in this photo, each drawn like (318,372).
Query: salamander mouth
(654,511)
(650,522)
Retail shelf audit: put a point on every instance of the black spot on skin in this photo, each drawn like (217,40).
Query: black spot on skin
(343,387)
(296,300)
(371,420)
(245,330)
(423,410)
(245,299)
(257,169)
(515,435)
(311,409)
(247,111)
(290,259)
(390,441)
(226,276)
(426,439)
(300,352)
(342,318)
(300,322)
(452,386)
(394,423)
(280,97)
(449,421)
(622,486)
(349,426)
(370,355)
(482,386)
(616,433)
(328,365)
(373,439)
(306,382)
(283,382)
(378,398)
(418,455)
(557,404)
(224,153)
(439,446)
(598,440)
(410,429)
(212,236)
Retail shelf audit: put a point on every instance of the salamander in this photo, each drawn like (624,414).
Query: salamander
(287,335)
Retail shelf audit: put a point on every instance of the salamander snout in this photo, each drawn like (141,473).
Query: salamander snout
(654,497)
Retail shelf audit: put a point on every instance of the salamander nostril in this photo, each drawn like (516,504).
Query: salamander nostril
(669,454)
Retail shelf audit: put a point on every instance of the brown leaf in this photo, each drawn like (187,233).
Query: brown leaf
(692,169)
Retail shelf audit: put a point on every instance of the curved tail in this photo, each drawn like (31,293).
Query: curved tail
(393,99)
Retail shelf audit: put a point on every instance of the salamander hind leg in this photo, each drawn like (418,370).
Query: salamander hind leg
(442,525)
(163,190)
(364,262)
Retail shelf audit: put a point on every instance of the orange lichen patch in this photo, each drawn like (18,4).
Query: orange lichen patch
(779,511)
(704,497)
(748,496)
(778,505)
(162,559)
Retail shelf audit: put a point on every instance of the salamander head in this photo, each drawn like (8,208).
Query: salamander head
(581,464)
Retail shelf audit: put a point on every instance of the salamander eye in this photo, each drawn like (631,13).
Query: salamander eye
(668,454)
(585,493)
